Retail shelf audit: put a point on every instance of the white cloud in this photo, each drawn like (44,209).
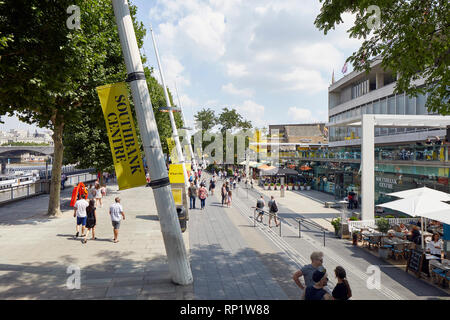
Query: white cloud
(231,89)
(304,80)
(252,111)
(236,69)
(301,115)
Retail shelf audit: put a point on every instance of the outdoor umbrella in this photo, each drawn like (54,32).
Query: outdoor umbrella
(425,192)
(425,206)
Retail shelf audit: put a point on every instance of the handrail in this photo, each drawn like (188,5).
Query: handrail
(312,223)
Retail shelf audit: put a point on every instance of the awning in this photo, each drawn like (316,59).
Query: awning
(283,172)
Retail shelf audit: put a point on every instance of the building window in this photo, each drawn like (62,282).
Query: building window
(421,99)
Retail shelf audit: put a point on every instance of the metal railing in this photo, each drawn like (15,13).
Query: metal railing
(256,212)
(39,187)
(306,223)
(373,223)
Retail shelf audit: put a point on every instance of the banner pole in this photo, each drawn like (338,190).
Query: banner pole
(172,120)
(178,261)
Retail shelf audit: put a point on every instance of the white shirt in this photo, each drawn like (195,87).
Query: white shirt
(115,210)
(81,206)
(431,245)
(98,193)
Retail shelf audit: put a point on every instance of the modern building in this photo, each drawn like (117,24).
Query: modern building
(405,156)
(293,139)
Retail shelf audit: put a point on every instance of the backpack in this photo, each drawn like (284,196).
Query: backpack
(274,206)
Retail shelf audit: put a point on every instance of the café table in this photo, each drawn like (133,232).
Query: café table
(442,270)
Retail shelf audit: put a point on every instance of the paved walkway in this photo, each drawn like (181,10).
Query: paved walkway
(230,257)
(395,283)
(37,252)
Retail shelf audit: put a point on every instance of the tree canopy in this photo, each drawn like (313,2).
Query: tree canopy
(412,40)
(48,72)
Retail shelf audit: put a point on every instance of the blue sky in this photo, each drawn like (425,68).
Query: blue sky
(263,57)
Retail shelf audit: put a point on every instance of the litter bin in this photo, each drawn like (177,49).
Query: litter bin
(182,218)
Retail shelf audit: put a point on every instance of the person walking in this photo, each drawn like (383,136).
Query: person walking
(260,208)
(192,192)
(224,193)
(63,181)
(202,194)
(342,290)
(273,209)
(80,213)
(212,185)
(91,220)
(116,213)
(229,198)
(307,271)
(98,195)
(317,290)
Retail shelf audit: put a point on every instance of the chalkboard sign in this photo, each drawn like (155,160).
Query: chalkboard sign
(415,262)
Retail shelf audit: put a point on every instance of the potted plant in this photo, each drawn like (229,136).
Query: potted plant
(336,223)
(266,185)
(308,186)
(291,186)
(270,187)
(383,226)
(302,187)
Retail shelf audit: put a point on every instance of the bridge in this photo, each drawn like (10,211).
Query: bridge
(16,150)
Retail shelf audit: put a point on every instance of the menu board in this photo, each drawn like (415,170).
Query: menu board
(415,262)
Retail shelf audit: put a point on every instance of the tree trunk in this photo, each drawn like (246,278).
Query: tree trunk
(55,186)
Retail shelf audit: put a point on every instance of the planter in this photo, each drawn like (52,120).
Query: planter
(308,187)
(302,188)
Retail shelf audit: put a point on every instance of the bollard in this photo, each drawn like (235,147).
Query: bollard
(299,228)
(279,226)
(324,238)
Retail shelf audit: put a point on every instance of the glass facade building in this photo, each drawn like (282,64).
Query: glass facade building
(405,158)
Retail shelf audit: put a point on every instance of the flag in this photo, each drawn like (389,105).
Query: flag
(344,68)
(332,77)
(122,135)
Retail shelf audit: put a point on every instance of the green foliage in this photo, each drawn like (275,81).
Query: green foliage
(353,219)
(412,41)
(389,217)
(383,225)
(336,223)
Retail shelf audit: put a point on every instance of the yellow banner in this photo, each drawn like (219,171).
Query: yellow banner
(122,135)
(172,150)
(176,174)
(177,196)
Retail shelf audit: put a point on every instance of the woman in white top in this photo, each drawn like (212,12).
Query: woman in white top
(435,246)
(98,195)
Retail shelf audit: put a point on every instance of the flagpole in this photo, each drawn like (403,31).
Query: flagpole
(188,131)
(172,120)
(177,258)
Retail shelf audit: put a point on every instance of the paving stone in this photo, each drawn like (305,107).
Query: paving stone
(123,291)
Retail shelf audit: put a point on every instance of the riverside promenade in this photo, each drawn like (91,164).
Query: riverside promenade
(231,257)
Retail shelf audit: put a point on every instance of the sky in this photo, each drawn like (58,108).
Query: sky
(265,58)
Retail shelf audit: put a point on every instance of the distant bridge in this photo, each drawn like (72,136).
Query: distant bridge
(17,150)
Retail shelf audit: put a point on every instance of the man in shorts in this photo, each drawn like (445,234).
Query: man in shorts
(116,213)
(260,209)
(80,213)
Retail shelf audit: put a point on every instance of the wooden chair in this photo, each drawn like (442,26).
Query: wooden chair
(398,251)
(408,248)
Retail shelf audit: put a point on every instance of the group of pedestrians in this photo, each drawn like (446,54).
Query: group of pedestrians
(194,192)
(273,209)
(316,281)
(86,214)
(227,194)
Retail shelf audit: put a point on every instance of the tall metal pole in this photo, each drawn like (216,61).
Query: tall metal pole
(178,261)
(172,120)
(188,132)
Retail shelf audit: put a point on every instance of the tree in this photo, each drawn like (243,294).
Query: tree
(49,72)
(86,142)
(230,120)
(412,40)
